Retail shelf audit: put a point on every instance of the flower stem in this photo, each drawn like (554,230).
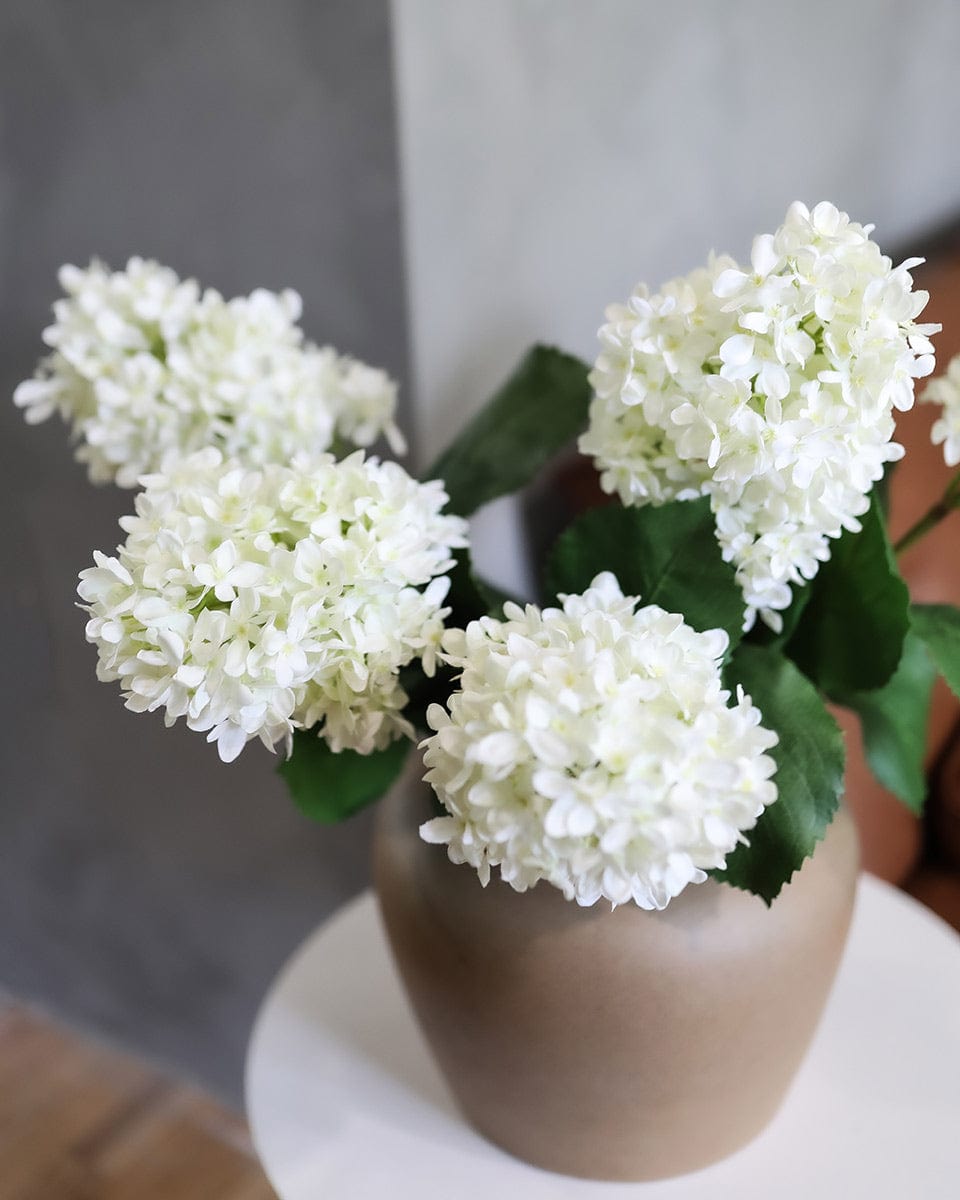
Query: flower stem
(932,517)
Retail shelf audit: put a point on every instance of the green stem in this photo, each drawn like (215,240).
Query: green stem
(340,447)
(932,517)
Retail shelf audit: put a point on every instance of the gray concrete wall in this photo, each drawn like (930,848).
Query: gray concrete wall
(146,890)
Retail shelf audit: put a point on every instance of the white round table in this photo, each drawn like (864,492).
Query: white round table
(345,1102)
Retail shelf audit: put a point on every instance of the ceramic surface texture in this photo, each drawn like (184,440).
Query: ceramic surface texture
(612,1044)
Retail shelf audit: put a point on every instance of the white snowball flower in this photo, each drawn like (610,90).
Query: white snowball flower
(946,429)
(770,388)
(594,747)
(254,602)
(144,367)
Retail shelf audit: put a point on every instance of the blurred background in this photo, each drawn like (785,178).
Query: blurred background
(147,891)
(444,182)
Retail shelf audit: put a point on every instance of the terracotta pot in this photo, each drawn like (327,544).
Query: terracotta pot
(621,1045)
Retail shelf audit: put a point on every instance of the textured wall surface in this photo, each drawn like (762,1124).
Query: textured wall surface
(146,890)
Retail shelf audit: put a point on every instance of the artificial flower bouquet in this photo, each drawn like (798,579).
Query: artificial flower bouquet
(658,714)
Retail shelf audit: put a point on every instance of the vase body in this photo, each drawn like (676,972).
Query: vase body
(611,1044)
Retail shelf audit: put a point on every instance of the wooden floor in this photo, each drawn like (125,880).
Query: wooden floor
(80,1122)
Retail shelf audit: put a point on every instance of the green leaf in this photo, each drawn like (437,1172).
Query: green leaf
(470,596)
(894,723)
(762,635)
(939,627)
(809,778)
(330,786)
(850,636)
(667,556)
(535,413)
(882,489)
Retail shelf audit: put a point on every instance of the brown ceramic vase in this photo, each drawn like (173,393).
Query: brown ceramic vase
(618,1045)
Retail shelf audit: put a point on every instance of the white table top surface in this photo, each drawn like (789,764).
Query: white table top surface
(345,1102)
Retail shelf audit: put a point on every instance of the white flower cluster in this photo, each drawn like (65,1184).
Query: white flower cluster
(593,747)
(145,367)
(253,602)
(946,429)
(768,388)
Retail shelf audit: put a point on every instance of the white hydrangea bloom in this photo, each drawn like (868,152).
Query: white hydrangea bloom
(254,602)
(594,747)
(770,389)
(946,429)
(145,368)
